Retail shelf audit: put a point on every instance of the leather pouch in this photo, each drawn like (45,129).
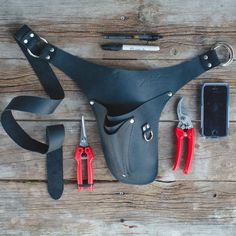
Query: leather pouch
(130,140)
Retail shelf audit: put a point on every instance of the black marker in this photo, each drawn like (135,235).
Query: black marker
(145,37)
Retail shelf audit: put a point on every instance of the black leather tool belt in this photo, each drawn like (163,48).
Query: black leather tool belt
(127,105)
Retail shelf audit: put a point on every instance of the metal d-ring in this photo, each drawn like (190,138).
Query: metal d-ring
(32,54)
(147,132)
(230,50)
(148,136)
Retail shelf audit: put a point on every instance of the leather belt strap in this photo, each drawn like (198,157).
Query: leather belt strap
(39,105)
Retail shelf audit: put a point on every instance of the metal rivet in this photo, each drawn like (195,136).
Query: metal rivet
(131,121)
(144,128)
(25,41)
(47,57)
(52,50)
(205,57)
(124,176)
(170,94)
(123,17)
(91,102)
(209,65)
(148,126)
(32,35)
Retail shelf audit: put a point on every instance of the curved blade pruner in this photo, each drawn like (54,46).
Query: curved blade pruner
(184,129)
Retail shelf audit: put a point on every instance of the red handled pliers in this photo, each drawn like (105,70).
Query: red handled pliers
(184,128)
(84,152)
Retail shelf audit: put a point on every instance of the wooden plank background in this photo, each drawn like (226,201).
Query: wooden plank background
(202,203)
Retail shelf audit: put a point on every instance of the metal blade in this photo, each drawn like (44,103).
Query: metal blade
(184,120)
(83,136)
(181,109)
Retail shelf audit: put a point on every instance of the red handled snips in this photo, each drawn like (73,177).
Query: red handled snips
(84,152)
(184,129)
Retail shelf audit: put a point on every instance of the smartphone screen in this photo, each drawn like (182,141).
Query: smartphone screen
(215,110)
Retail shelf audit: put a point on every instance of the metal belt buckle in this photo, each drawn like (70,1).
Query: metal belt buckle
(229,49)
(32,54)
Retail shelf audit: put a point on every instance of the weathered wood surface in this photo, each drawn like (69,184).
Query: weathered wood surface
(190,208)
(202,203)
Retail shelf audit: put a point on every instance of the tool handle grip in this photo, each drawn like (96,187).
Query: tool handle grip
(78,157)
(179,147)
(90,156)
(191,144)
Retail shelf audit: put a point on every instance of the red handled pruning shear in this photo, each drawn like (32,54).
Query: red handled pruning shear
(84,152)
(184,128)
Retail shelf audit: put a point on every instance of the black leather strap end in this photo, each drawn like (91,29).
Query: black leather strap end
(55,173)
(24,30)
(209,60)
(55,136)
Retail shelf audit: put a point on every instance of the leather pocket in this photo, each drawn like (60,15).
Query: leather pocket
(117,140)
(131,158)
(113,123)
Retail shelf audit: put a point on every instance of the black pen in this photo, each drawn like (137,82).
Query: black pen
(145,37)
(129,47)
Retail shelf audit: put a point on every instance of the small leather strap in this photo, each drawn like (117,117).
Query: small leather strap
(209,59)
(39,105)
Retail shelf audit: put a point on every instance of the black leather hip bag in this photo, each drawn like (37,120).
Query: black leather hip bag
(127,105)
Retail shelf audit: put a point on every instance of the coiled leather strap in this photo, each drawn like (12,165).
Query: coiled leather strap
(39,105)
